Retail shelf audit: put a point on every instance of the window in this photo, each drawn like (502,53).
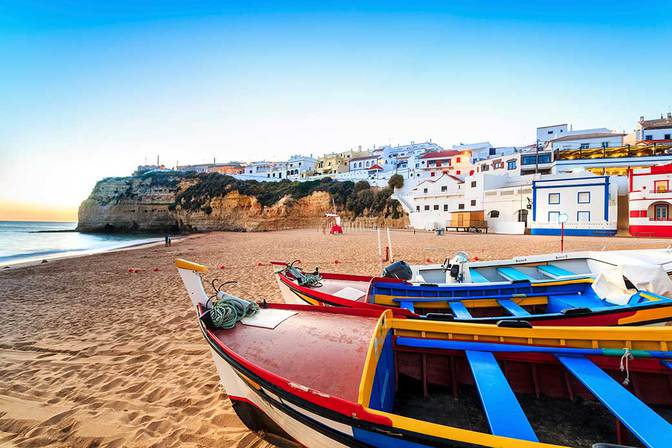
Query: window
(458,172)
(473,202)
(605,144)
(583,197)
(554,217)
(485,167)
(445,207)
(648,137)
(584,146)
(460,206)
(426,207)
(444,188)
(511,165)
(522,215)
(544,158)
(667,137)
(493,214)
(432,174)
(424,190)
(662,212)
(436,207)
(417,208)
(550,132)
(661,186)
(553,198)
(457,159)
(583,216)
(528,160)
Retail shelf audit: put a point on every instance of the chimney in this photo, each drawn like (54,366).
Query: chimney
(641,118)
(669,115)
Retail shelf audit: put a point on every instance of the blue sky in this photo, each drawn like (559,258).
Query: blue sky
(90,90)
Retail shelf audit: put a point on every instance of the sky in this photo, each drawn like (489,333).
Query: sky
(90,90)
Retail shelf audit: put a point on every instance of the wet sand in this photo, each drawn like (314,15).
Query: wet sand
(92,355)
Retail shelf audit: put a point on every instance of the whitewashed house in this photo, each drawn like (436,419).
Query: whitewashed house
(586,139)
(589,203)
(656,130)
(362,163)
(299,167)
(546,133)
(504,200)
(650,199)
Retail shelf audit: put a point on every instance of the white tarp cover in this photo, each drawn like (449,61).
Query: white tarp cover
(648,277)
(610,286)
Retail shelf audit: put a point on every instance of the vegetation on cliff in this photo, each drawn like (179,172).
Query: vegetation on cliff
(359,199)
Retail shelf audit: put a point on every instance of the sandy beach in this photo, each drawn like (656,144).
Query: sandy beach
(92,355)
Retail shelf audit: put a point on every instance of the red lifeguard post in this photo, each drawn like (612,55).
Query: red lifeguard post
(334,224)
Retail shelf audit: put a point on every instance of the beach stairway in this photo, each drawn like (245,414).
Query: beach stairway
(506,417)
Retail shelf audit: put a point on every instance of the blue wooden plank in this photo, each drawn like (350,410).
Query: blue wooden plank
(477,277)
(513,308)
(554,271)
(513,274)
(459,310)
(650,428)
(505,416)
(408,305)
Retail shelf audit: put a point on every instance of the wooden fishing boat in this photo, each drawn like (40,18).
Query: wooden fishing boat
(647,269)
(566,301)
(334,377)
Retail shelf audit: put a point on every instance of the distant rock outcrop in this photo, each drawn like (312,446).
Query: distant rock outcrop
(169,201)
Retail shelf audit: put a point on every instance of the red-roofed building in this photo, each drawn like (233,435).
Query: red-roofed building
(447,162)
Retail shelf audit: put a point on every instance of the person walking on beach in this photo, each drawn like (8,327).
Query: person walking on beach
(167,239)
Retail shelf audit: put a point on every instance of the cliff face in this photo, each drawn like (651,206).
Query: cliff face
(152,204)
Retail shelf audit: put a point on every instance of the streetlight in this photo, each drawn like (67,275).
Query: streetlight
(562,218)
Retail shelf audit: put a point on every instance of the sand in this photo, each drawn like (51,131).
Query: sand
(92,355)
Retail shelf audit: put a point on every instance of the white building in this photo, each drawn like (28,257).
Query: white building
(450,161)
(657,130)
(478,151)
(586,139)
(362,163)
(546,133)
(260,168)
(504,200)
(397,157)
(587,201)
(299,167)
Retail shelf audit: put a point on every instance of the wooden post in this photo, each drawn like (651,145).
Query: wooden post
(389,245)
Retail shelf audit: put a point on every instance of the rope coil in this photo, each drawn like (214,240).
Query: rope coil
(229,310)
(303,279)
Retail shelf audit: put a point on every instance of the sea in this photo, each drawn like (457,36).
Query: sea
(22,241)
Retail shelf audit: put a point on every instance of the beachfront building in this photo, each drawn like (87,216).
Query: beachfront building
(516,161)
(586,139)
(503,201)
(588,203)
(650,200)
(656,131)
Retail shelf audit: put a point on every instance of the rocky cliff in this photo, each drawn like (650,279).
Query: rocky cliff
(159,202)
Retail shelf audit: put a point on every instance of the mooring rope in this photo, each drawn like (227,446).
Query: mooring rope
(627,356)
(303,279)
(228,310)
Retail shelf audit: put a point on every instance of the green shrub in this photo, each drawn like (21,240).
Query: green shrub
(396,181)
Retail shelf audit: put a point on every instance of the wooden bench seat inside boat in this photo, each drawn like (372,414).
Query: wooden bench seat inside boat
(309,348)
(554,271)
